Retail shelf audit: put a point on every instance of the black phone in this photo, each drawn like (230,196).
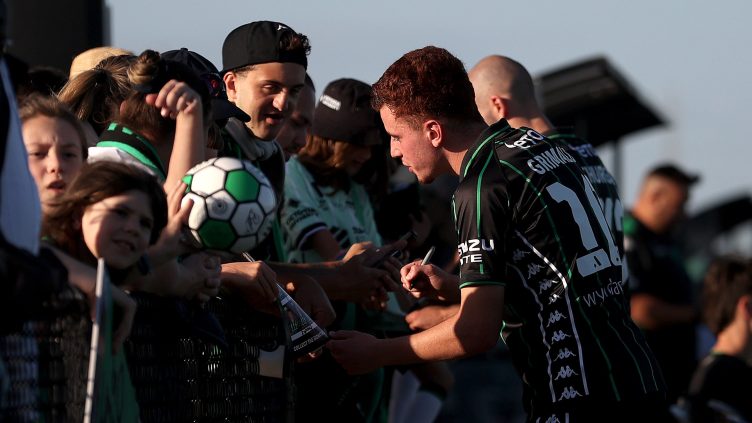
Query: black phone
(406,237)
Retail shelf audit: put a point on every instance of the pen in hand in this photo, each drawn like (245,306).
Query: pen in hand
(425,261)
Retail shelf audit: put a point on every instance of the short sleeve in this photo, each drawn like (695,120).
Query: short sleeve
(299,216)
(482,222)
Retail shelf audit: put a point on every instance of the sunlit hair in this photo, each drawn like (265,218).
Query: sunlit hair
(95,95)
(39,105)
(149,68)
(326,159)
(728,279)
(427,83)
(96,182)
(291,42)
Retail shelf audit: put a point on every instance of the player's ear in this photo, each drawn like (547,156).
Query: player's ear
(499,106)
(434,132)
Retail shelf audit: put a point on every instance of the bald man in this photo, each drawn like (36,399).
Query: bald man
(663,298)
(505,89)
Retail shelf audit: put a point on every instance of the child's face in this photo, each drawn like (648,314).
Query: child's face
(118,228)
(55,155)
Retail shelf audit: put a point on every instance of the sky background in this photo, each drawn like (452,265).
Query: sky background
(689,60)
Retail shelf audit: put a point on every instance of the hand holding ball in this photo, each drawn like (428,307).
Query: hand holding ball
(233,204)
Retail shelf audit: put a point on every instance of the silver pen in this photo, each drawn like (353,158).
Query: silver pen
(425,260)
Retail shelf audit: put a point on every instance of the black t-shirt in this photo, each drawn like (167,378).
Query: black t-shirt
(270,248)
(528,219)
(721,378)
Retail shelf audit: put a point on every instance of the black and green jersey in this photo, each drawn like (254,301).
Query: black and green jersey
(528,218)
(603,181)
(136,147)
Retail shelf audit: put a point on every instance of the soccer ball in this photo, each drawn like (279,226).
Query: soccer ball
(233,204)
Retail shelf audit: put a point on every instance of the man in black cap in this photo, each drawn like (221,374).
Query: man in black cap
(264,70)
(662,296)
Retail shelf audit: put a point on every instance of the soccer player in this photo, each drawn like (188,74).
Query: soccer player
(504,89)
(537,259)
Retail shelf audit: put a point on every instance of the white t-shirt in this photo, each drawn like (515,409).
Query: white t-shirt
(309,208)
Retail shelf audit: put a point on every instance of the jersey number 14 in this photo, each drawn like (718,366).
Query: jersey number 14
(596,258)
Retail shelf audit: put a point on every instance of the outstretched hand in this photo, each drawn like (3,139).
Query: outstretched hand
(353,351)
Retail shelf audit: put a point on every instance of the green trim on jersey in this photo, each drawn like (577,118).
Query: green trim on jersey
(482,144)
(136,154)
(584,316)
(548,214)
(279,243)
(481,283)
(569,274)
(477,200)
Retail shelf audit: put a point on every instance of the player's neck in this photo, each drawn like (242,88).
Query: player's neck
(538,123)
(459,142)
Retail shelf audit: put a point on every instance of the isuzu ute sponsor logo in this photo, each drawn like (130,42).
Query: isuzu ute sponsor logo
(470,249)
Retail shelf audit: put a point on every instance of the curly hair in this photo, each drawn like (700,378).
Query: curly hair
(427,83)
(98,181)
(727,280)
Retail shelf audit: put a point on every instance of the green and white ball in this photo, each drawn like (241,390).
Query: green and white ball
(233,204)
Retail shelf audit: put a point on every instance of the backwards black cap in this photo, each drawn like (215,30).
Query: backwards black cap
(261,42)
(674,173)
(222,108)
(344,113)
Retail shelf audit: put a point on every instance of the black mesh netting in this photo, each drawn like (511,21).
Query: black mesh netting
(186,368)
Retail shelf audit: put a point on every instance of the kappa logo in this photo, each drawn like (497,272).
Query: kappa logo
(559,336)
(555,317)
(565,372)
(569,393)
(546,284)
(533,269)
(519,255)
(564,353)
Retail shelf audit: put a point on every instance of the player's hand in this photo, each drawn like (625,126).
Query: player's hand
(429,316)
(312,299)
(127,307)
(354,351)
(176,98)
(255,282)
(430,281)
